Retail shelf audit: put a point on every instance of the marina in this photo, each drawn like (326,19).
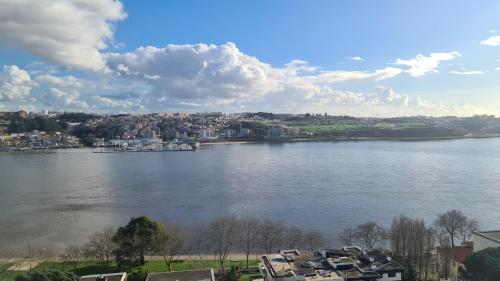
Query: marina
(151,145)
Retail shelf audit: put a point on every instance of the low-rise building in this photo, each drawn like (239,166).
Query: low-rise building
(187,275)
(121,276)
(350,263)
(486,239)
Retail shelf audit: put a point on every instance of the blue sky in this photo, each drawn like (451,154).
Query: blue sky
(377,58)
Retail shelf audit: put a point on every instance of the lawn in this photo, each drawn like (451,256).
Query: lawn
(317,128)
(92,267)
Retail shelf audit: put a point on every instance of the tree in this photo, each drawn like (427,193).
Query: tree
(483,265)
(294,237)
(170,243)
(72,255)
(412,244)
(137,275)
(370,234)
(136,239)
(451,221)
(347,236)
(221,234)
(271,235)
(100,246)
(248,231)
(313,240)
(466,229)
(48,275)
(197,242)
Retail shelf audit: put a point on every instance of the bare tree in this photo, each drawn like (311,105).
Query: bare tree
(412,243)
(197,243)
(451,221)
(248,232)
(100,246)
(466,229)
(294,237)
(313,240)
(400,235)
(170,244)
(72,255)
(370,234)
(221,234)
(347,236)
(271,235)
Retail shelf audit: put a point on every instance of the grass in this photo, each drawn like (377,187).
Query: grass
(317,128)
(92,267)
(322,128)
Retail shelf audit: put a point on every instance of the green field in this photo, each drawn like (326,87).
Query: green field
(340,127)
(317,128)
(92,267)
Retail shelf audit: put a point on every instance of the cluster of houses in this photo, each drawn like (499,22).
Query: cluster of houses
(37,140)
(347,264)
(350,263)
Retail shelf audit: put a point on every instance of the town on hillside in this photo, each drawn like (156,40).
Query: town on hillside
(23,130)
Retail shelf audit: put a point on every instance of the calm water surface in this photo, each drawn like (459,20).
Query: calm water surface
(53,199)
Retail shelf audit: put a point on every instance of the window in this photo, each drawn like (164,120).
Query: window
(392,274)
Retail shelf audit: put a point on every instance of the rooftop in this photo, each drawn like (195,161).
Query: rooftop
(120,276)
(491,234)
(187,275)
(328,264)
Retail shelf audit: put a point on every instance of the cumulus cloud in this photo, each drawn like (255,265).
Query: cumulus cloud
(66,32)
(491,41)
(421,65)
(15,83)
(198,71)
(220,77)
(62,92)
(356,58)
(201,71)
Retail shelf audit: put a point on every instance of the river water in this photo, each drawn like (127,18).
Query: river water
(53,199)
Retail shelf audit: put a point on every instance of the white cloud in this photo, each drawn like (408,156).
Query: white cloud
(356,58)
(63,92)
(355,76)
(491,41)
(220,77)
(15,83)
(202,72)
(467,72)
(421,64)
(65,32)
(197,71)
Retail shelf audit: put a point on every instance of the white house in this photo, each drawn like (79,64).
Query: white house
(486,239)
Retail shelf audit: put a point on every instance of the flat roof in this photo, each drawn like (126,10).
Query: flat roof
(109,277)
(325,263)
(187,275)
(492,234)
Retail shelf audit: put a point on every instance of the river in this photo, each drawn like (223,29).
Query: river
(54,199)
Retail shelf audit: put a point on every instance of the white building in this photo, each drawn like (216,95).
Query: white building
(486,239)
(207,134)
(348,264)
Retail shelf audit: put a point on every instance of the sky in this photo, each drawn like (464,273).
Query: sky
(360,58)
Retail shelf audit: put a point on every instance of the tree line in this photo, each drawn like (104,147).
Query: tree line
(130,244)
(411,242)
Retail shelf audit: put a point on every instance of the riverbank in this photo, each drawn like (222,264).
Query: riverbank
(290,140)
